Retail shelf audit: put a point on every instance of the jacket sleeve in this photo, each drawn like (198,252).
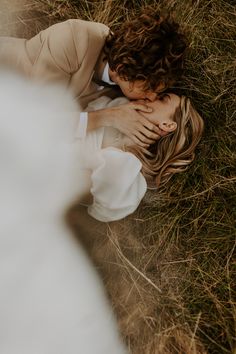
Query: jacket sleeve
(64,49)
(53,54)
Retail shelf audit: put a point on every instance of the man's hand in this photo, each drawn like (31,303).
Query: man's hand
(127,119)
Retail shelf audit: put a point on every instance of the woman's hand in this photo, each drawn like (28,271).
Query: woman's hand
(127,119)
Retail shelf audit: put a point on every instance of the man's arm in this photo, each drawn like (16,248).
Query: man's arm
(68,53)
(127,120)
(52,53)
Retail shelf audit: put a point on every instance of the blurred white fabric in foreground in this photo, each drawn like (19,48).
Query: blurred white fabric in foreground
(51,299)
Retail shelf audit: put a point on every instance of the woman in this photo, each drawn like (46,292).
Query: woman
(111,173)
(120,172)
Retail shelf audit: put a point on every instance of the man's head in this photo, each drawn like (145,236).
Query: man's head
(145,55)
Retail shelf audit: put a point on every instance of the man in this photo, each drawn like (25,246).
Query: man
(143,57)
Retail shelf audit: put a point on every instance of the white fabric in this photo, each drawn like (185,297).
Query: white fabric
(117,185)
(116,182)
(51,299)
(82,126)
(105,75)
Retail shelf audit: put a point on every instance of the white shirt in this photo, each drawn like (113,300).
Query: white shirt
(111,175)
(105,75)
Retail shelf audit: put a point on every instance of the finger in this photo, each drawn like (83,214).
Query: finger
(144,139)
(148,133)
(139,142)
(149,125)
(141,107)
(156,131)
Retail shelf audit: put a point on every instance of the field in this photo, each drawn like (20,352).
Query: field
(169,269)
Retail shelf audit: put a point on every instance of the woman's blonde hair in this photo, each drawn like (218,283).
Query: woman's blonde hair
(174,152)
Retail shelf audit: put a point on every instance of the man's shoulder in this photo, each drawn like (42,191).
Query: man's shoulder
(72,30)
(76,36)
(90,26)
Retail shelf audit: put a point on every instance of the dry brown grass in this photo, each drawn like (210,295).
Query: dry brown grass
(169,268)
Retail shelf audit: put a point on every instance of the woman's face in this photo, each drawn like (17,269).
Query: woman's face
(163,112)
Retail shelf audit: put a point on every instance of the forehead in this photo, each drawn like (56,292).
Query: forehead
(170,101)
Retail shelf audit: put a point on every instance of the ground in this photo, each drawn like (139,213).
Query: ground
(169,268)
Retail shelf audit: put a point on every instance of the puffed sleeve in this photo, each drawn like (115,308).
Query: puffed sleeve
(118,186)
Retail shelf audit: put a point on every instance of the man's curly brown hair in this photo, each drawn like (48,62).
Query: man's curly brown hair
(149,48)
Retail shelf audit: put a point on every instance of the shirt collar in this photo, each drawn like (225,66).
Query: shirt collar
(105,75)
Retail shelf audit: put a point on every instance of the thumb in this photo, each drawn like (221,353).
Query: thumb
(142,107)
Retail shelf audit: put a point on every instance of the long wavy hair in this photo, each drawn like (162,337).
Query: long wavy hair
(174,152)
(149,48)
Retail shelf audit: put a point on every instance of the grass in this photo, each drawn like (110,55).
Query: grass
(169,268)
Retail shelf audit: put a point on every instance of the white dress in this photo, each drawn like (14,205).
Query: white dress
(112,176)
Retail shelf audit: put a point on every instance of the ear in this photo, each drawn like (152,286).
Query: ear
(113,75)
(168,126)
(172,126)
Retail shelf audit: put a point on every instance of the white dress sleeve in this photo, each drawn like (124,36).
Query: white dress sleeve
(118,186)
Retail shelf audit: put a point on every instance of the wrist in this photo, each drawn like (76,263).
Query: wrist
(98,119)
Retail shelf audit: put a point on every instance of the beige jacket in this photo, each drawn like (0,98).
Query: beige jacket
(66,53)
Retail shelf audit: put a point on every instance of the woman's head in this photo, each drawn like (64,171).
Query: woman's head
(182,128)
(163,114)
(146,54)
